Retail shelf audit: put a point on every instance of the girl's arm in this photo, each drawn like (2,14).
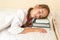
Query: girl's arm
(28,30)
(6,23)
(17,23)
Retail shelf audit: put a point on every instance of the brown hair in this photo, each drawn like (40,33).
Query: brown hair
(43,6)
(27,24)
(29,10)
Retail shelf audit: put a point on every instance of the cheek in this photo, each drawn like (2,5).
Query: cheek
(36,15)
(32,14)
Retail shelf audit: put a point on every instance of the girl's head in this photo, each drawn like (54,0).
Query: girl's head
(39,11)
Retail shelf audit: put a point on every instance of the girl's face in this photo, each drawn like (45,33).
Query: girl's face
(39,13)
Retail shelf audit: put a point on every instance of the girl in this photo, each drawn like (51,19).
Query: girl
(17,24)
(40,12)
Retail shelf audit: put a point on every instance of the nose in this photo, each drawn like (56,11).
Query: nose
(40,15)
(41,11)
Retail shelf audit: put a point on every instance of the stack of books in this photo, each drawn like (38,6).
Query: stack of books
(41,23)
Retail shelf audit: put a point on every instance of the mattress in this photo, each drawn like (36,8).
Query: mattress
(50,35)
(6,35)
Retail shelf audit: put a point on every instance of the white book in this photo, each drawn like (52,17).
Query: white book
(41,25)
(42,21)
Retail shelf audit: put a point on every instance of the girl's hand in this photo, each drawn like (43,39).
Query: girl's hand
(27,30)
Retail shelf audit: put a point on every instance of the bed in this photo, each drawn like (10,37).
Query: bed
(50,35)
(6,35)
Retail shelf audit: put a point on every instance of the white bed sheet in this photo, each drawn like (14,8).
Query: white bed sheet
(5,35)
(50,35)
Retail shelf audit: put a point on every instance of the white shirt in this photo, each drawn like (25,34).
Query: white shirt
(15,21)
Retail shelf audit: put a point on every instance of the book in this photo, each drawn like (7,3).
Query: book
(41,23)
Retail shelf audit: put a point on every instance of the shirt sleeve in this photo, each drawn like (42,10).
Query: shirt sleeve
(17,23)
(5,22)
